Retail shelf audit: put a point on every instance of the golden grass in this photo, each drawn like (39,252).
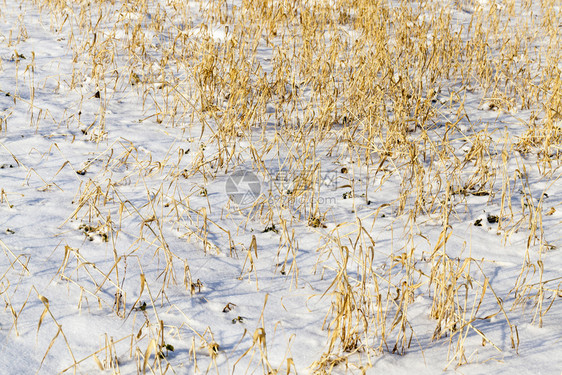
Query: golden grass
(377,86)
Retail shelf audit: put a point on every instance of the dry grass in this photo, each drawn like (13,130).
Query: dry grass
(380,88)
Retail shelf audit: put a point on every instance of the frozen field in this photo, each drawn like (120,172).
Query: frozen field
(258,186)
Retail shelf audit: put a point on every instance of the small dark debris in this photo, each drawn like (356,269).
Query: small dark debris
(90,231)
(478,223)
(97,95)
(481,193)
(142,307)
(344,170)
(493,219)
(81,172)
(10,231)
(3,166)
(270,228)
(315,222)
(86,228)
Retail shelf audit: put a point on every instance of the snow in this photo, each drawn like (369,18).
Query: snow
(120,233)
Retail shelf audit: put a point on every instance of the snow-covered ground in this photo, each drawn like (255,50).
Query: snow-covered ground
(171,205)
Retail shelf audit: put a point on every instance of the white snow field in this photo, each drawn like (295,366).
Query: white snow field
(280,186)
